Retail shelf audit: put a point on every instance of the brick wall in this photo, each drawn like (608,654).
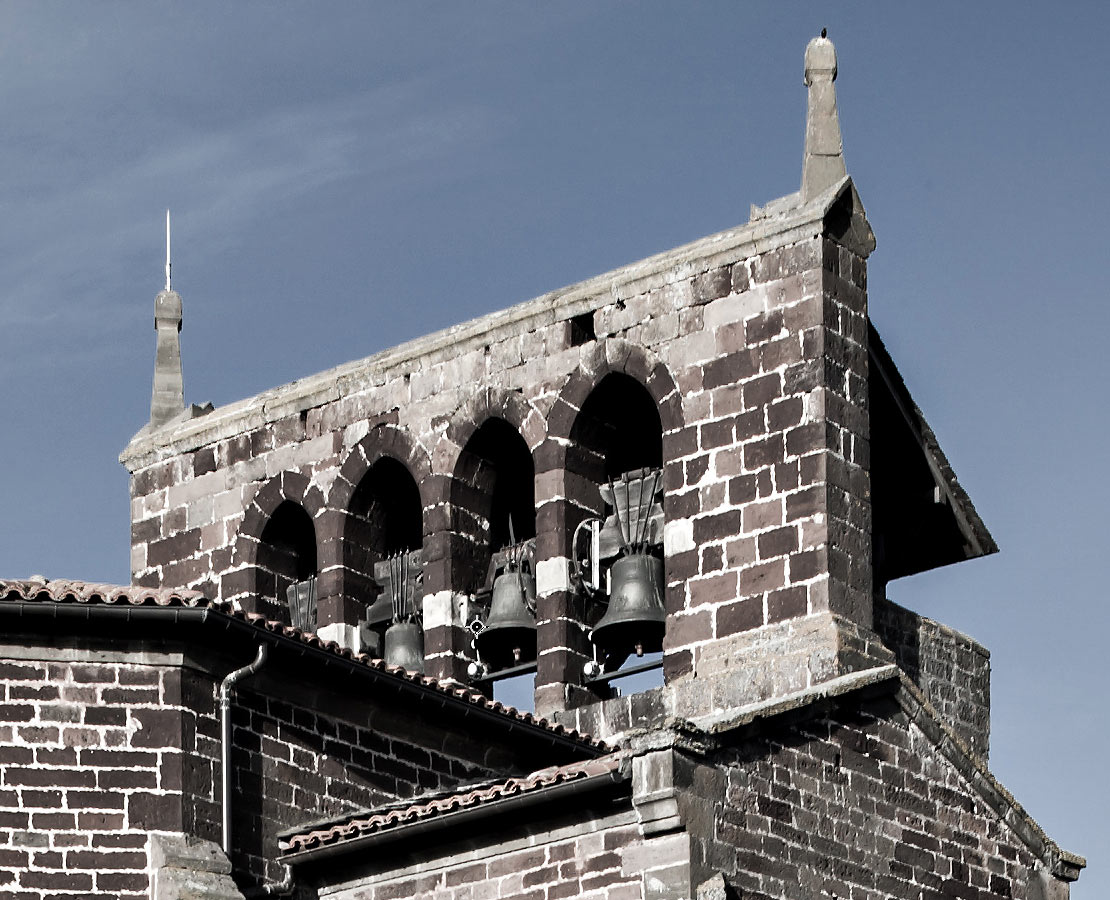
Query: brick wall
(295,763)
(90,764)
(100,748)
(596,858)
(585,865)
(850,805)
(952,670)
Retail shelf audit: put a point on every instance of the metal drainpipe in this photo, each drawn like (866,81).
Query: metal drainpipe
(273,888)
(225,736)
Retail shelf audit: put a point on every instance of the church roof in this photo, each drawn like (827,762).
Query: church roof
(59,599)
(449,805)
(704,736)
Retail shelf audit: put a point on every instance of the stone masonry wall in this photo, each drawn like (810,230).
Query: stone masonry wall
(98,755)
(90,765)
(856,804)
(758,366)
(294,763)
(597,858)
(952,670)
(302,752)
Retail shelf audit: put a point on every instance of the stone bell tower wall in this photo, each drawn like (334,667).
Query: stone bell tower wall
(752,346)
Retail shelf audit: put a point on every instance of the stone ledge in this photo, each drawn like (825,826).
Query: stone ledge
(187,868)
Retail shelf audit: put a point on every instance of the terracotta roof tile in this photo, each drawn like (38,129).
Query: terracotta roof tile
(370,822)
(64,591)
(37,590)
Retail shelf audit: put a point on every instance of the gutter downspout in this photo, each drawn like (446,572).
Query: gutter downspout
(226,685)
(273,888)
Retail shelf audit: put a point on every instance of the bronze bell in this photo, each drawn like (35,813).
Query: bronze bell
(636,618)
(404,646)
(509,637)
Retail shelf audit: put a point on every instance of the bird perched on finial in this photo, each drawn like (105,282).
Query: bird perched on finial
(824,32)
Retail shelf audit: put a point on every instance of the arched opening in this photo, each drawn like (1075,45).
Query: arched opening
(385,516)
(286,555)
(618,430)
(493,511)
(382,544)
(493,500)
(614,470)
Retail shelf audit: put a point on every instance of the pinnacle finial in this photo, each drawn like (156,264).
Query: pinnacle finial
(823,165)
(167,397)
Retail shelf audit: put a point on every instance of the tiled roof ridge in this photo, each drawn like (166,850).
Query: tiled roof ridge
(362,824)
(67,591)
(62,590)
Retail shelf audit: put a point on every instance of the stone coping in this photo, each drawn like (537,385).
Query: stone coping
(779,223)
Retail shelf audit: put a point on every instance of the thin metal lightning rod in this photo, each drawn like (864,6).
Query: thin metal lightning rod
(167,250)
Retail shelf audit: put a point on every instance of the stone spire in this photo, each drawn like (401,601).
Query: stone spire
(167,399)
(824,154)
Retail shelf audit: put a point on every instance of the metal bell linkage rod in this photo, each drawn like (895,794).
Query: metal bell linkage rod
(301,597)
(404,638)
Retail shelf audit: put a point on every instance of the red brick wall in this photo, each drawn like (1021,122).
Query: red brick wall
(952,670)
(294,763)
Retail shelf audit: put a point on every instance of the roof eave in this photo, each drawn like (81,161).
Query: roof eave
(209,617)
(468,818)
(972,528)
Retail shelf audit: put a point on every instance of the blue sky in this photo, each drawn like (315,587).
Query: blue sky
(346,176)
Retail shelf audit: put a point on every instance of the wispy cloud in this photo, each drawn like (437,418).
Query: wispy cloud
(67,243)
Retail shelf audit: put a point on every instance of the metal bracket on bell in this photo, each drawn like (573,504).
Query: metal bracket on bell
(590,583)
(381,611)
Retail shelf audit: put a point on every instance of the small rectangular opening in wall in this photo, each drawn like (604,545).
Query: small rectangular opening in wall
(581,329)
(638,674)
(518,691)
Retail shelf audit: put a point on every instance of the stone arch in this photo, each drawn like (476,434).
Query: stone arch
(450,560)
(495,402)
(287,497)
(563,463)
(601,359)
(459,473)
(382,441)
(348,582)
